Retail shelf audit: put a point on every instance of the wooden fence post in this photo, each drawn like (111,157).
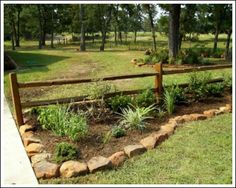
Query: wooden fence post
(158,81)
(16,99)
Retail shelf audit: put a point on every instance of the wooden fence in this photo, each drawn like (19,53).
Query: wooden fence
(159,72)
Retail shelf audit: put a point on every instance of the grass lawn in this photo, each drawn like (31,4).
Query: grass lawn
(65,62)
(198,153)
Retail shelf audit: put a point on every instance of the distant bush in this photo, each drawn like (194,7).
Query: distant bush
(215,89)
(64,152)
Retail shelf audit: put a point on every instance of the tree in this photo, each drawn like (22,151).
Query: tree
(174,16)
(82,32)
(150,10)
(17,37)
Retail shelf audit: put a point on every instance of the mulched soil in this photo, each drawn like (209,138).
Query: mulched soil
(92,145)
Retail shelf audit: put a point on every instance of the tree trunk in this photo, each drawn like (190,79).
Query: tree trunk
(93,36)
(18,29)
(152,27)
(40,27)
(135,36)
(52,30)
(115,33)
(216,38)
(174,30)
(44,37)
(180,41)
(14,31)
(227,44)
(120,36)
(102,47)
(12,41)
(82,32)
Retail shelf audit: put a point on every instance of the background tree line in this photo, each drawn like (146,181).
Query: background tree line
(36,22)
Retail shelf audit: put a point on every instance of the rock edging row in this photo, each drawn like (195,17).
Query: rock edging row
(45,169)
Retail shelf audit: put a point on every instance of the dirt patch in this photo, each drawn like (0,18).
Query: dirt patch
(92,145)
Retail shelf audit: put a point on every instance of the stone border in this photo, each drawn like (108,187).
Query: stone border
(44,169)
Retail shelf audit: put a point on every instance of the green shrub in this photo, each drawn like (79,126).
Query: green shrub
(145,99)
(160,56)
(118,102)
(198,85)
(179,94)
(148,59)
(64,152)
(63,122)
(118,132)
(134,118)
(215,90)
(227,81)
(169,101)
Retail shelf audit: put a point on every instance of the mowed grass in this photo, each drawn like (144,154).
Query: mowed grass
(198,153)
(64,62)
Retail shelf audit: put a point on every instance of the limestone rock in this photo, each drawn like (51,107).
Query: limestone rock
(98,163)
(219,112)
(187,118)
(196,117)
(29,140)
(132,150)
(27,134)
(210,113)
(179,119)
(40,157)
(167,129)
(134,61)
(117,158)
(73,168)
(26,128)
(229,107)
(34,148)
(225,109)
(46,169)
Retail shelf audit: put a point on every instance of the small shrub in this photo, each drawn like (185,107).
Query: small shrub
(179,94)
(169,101)
(118,132)
(118,102)
(160,113)
(215,90)
(227,81)
(64,152)
(63,122)
(134,118)
(145,99)
(198,85)
(148,59)
(106,137)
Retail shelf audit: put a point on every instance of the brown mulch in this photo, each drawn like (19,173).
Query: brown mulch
(92,145)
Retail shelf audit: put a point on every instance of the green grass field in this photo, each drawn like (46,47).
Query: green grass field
(65,62)
(198,153)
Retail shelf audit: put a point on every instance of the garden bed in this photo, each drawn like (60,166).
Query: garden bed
(92,145)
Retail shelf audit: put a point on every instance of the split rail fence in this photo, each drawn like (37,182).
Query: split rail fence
(159,72)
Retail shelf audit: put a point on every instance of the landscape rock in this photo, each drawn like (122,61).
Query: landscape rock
(219,112)
(34,148)
(187,118)
(117,158)
(99,163)
(25,128)
(166,129)
(179,119)
(210,113)
(27,134)
(29,140)
(45,169)
(229,107)
(40,157)
(225,109)
(132,150)
(196,117)
(149,142)
(134,61)
(73,168)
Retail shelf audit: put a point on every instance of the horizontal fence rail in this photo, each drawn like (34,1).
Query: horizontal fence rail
(159,72)
(202,68)
(78,81)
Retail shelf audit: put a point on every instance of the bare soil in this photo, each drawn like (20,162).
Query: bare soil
(92,145)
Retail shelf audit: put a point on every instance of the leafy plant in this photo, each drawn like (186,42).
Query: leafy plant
(64,152)
(118,102)
(215,89)
(63,122)
(107,137)
(179,94)
(227,81)
(198,85)
(118,131)
(169,101)
(133,118)
(145,99)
